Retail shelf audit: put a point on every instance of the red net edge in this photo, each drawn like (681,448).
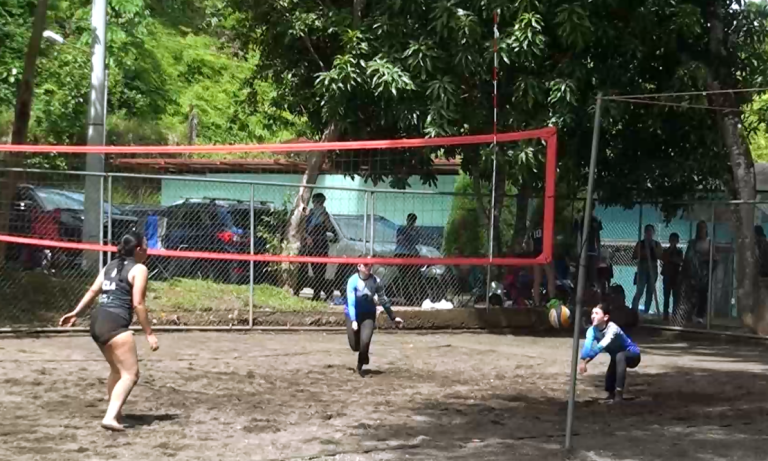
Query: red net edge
(548,134)
(543,133)
(284,258)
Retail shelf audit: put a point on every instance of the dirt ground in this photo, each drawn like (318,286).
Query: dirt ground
(473,396)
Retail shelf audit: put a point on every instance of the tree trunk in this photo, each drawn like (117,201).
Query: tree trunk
(522,200)
(295,231)
(729,123)
(21,120)
(192,122)
(500,190)
(477,187)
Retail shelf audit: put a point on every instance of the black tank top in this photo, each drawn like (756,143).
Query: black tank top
(116,290)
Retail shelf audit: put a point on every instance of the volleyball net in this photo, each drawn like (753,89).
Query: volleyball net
(231,229)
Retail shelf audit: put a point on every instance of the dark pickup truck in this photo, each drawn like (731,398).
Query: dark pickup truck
(56,214)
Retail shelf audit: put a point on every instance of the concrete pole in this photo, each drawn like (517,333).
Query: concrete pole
(97,110)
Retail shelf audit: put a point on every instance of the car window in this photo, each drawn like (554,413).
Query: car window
(385,231)
(56,198)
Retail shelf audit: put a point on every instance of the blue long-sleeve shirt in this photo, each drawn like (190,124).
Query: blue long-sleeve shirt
(610,339)
(360,293)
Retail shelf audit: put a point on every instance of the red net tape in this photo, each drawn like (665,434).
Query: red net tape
(280,258)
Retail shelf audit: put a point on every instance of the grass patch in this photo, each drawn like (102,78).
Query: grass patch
(189,295)
(34,298)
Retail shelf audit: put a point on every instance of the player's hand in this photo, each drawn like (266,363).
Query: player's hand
(68,320)
(354,326)
(582,367)
(399,322)
(153,344)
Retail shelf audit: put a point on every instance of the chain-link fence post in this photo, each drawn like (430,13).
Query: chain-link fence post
(250,284)
(109,216)
(373,221)
(640,223)
(101,221)
(366,200)
(712,241)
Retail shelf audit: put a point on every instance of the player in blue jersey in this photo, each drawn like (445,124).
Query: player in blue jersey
(361,311)
(605,335)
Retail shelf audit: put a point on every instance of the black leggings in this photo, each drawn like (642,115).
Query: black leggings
(360,340)
(616,376)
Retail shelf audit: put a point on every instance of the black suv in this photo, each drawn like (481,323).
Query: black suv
(56,214)
(218,226)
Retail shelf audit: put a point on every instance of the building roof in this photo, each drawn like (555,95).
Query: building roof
(285,166)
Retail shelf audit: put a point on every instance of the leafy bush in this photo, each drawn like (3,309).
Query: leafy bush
(464,235)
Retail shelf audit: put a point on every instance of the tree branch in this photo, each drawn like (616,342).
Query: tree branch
(357,11)
(311,49)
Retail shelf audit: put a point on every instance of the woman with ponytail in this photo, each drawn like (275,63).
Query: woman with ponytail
(121,288)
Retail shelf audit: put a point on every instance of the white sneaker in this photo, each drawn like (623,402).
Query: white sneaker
(698,320)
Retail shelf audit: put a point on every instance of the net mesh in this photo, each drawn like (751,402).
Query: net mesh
(221,230)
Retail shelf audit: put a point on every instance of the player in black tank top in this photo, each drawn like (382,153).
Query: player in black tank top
(114,313)
(121,289)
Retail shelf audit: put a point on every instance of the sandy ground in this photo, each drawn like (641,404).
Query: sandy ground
(262,396)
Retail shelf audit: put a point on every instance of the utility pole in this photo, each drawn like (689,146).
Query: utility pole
(94,163)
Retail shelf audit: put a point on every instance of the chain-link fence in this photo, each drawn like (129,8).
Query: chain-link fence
(212,217)
(206,217)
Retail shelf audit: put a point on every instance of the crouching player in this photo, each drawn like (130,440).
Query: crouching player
(605,335)
(361,311)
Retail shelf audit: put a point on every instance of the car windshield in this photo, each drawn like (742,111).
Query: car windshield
(64,199)
(385,231)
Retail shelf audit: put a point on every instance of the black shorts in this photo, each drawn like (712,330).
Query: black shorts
(105,325)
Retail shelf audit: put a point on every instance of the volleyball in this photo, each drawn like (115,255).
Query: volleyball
(560,317)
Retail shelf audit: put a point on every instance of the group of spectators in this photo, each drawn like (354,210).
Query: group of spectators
(685,276)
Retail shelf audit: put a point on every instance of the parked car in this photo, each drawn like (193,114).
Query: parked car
(350,229)
(56,214)
(218,226)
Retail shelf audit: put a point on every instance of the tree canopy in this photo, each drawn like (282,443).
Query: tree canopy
(164,58)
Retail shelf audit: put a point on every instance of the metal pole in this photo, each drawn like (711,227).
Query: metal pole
(582,272)
(365,220)
(494,148)
(640,224)
(709,280)
(250,287)
(109,216)
(101,221)
(96,113)
(373,220)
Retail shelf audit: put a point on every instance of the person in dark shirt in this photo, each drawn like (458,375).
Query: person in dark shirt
(318,226)
(537,241)
(593,249)
(647,254)
(671,266)
(408,241)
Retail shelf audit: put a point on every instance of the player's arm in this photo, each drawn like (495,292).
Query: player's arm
(328,226)
(588,351)
(384,301)
(139,295)
(93,292)
(69,319)
(351,298)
